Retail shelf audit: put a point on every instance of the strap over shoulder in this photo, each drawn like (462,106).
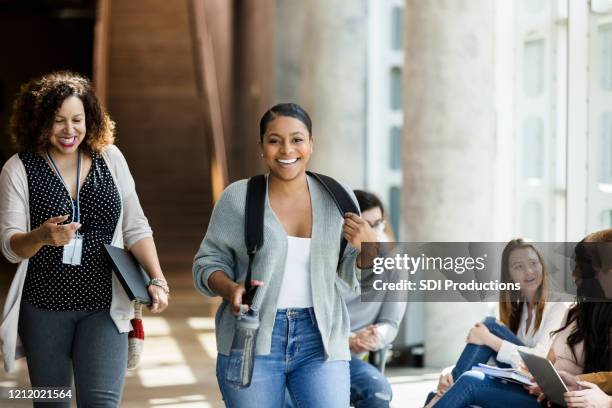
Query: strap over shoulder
(254,217)
(253,226)
(343,201)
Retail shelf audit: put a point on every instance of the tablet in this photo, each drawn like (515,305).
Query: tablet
(546,376)
(130,274)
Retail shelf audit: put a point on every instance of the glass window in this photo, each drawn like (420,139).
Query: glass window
(533,149)
(605,148)
(396,88)
(395,210)
(534,6)
(533,67)
(395,148)
(397,28)
(532,221)
(605,39)
(606,219)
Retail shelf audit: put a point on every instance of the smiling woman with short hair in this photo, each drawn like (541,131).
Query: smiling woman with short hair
(304,328)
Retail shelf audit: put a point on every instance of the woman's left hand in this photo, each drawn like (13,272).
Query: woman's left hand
(159,299)
(356,230)
(479,335)
(590,396)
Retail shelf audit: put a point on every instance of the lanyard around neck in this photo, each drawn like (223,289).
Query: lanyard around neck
(74,202)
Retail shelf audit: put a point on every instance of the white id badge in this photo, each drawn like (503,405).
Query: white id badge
(73,250)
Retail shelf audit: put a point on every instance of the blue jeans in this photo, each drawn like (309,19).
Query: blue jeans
(87,345)
(296,362)
(473,354)
(369,387)
(475,388)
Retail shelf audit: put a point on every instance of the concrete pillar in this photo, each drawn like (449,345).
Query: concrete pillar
(320,55)
(450,144)
(254,22)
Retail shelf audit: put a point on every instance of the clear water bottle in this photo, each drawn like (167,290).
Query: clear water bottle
(242,353)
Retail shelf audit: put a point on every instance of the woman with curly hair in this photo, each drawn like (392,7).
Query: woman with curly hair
(65,194)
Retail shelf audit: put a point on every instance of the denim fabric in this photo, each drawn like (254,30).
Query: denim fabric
(473,354)
(369,387)
(59,344)
(475,388)
(296,362)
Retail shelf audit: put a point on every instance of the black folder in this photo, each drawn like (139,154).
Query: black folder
(129,272)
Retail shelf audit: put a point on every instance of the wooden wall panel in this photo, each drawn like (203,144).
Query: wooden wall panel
(152,95)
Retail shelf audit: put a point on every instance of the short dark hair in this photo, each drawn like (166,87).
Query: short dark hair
(39,100)
(367,201)
(284,109)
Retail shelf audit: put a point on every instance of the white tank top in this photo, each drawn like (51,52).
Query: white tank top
(296,290)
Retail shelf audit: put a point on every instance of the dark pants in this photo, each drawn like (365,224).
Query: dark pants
(87,345)
(473,354)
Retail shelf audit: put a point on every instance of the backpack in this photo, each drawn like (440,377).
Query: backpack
(254,218)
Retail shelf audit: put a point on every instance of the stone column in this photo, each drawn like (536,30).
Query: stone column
(320,59)
(449,144)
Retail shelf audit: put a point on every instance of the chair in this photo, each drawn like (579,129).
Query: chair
(378,358)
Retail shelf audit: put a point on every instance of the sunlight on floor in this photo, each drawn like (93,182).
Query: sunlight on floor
(209,344)
(201,323)
(162,362)
(186,401)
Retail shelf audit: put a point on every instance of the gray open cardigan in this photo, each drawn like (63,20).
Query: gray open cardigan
(223,248)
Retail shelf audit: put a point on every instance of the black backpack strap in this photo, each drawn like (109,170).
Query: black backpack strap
(341,197)
(254,224)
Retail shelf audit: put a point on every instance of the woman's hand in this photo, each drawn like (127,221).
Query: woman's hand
(444,383)
(159,299)
(590,396)
(536,391)
(356,230)
(479,335)
(236,295)
(364,340)
(51,233)
(570,381)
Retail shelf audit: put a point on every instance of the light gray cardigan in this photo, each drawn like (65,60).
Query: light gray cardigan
(223,248)
(15,217)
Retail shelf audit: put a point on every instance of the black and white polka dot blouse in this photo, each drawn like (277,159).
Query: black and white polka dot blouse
(50,284)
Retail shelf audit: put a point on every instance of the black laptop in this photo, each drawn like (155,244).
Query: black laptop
(129,272)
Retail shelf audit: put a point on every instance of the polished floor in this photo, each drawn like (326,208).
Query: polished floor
(177,368)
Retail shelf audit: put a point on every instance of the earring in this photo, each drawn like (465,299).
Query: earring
(261,155)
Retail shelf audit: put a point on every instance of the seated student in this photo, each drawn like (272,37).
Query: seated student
(582,346)
(374,325)
(526,321)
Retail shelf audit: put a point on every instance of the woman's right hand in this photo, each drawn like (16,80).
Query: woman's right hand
(444,383)
(236,296)
(54,234)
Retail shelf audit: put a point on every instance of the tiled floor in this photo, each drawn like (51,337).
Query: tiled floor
(177,368)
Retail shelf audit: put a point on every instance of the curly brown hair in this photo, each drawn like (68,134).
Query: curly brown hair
(37,104)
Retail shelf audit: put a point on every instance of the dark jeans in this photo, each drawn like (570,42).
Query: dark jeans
(473,354)
(475,388)
(87,345)
(369,387)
